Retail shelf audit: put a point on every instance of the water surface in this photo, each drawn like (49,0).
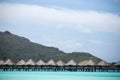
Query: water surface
(14,75)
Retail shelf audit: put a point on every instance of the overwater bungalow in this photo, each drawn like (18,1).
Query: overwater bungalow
(60,65)
(50,65)
(29,65)
(71,65)
(103,66)
(8,65)
(87,65)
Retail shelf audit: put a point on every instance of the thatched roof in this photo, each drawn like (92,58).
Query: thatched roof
(71,62)
(40,62)
(1,62)
(60,63)
(30,62)
(117,63)
(103,63)
(87,62)
(8,62)
(50,62)
(83,62)
(90,62)
(21,62)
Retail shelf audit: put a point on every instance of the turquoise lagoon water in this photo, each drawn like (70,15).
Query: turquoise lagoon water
(14,75)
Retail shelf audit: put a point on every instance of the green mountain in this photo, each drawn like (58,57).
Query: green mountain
(16,48)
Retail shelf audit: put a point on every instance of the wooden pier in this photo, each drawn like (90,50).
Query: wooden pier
(51,65)
(59,68)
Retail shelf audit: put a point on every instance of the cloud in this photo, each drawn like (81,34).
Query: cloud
(83,21)
(64,44)
(71,45)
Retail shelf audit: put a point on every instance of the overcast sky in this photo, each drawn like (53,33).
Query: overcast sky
(71,25)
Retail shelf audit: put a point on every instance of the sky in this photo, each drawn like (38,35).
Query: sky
(71,25)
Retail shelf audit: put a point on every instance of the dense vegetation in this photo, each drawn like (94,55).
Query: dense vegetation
(16,48)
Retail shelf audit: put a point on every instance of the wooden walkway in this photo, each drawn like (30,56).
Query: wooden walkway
(59,68)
